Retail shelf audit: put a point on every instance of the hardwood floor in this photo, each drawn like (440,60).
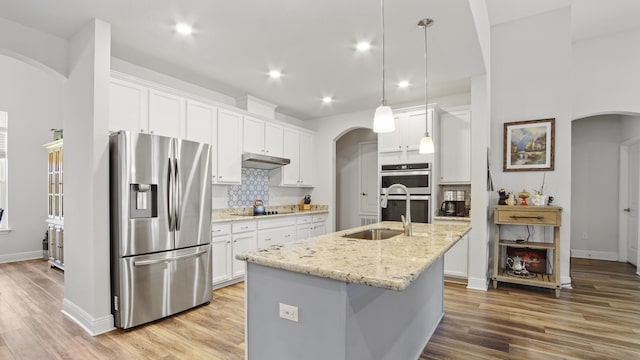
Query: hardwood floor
(598,319)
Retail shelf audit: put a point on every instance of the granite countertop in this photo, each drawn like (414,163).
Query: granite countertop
(390,264)
(224,215)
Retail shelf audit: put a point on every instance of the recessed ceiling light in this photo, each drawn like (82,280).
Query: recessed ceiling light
(275,74)
(403,84)
(363,46)
(184,29)
(327,99)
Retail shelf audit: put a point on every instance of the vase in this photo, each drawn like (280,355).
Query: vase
(539,200)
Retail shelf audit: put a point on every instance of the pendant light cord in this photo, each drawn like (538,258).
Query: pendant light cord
(425,23)
(384,102)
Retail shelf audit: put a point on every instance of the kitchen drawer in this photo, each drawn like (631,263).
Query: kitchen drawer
(319,218)
(243,226)
(527,217)
(220,229)
(279,236)
(304,219)
(276,223)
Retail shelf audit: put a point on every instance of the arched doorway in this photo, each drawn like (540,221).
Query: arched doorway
(356,178)
(599,172)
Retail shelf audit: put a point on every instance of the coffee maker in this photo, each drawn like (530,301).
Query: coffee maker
(454,203)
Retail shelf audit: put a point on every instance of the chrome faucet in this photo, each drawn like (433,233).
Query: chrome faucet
(406,219)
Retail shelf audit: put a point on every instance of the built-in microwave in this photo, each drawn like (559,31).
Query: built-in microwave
(416,177)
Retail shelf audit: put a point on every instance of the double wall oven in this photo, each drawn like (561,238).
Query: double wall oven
(417,178)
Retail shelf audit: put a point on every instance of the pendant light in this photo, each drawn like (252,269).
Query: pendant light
(383,119)
(426,143)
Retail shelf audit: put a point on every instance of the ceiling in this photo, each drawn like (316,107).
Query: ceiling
(236,42)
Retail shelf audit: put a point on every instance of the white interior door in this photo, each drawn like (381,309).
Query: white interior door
(633,202)
(368,178)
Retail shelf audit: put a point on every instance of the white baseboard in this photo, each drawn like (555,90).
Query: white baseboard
(598,255)
(29,255)
(478,283)
(93,326)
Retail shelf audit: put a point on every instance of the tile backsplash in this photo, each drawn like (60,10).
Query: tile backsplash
(255,185)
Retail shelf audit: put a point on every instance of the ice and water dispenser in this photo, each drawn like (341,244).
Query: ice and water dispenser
(143,201)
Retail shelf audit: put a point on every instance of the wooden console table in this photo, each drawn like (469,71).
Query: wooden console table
(527,215)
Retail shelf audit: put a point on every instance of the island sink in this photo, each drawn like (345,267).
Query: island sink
(374,234)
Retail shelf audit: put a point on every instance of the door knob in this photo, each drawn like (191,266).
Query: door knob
(364,194)
(627,209)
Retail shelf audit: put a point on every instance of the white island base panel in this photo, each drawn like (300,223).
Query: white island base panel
(339,320)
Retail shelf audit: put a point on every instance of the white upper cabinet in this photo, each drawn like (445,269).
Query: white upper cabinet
(297,147)
(128,106)
(306,159)
(262,137)
(401,146)
(291,150)
(253,135)
(166,114)
(273,139)
(202,126)
(229,146)
(455,147)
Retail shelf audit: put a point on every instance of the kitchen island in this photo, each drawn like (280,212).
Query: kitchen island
(347,298)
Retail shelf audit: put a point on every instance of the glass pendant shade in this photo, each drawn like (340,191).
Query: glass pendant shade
(426,145)
(383,120)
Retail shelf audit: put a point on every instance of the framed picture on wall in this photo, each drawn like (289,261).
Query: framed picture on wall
(528,145)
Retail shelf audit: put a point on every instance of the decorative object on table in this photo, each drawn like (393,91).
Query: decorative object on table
(523,195)
(533,260)
(503,197)
(550,200)
(383,120)
(529,145)
(426,142)
(258,207)
(517,266)
(539,198)
(511,200)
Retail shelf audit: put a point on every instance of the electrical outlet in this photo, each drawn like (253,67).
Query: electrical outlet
(289,312)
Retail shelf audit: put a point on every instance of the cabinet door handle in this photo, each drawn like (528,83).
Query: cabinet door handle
(627,209)
(364,194)
(526,217)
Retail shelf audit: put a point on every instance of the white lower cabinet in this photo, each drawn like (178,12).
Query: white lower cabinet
(278,231)
(243,236)
(456,259)
(229,239)
(221,261)
(310,226)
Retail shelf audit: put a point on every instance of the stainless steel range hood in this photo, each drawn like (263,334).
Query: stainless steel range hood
(259,161)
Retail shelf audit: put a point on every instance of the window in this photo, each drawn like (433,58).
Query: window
(4,176)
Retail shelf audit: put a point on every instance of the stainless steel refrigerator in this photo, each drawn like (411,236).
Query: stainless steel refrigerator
(160,226)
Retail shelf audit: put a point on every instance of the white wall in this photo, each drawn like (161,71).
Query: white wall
(606,75)
(87,293)
(34,47)
(530,79)
(33,99)
(594,187)
(629,127)
(348,177)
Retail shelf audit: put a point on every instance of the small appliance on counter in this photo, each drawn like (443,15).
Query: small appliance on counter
(454,203)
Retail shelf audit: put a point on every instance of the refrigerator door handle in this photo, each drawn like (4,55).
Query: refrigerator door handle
(170,195)
(157,261)
(178,190)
